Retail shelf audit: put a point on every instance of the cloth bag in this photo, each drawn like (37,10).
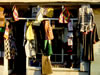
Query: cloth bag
(46,65)
(29,32)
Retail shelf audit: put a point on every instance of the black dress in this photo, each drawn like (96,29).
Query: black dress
(88,40)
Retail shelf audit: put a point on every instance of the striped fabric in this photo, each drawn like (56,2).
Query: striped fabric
(15,14)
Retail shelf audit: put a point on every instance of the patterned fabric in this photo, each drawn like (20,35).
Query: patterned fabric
(10,46)
(15,13)
(64,16)
(6,34)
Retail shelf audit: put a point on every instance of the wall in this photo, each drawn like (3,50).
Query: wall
(97,19)
(95,65)
(1,70)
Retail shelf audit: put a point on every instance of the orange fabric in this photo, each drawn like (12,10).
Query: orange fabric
(48,31)
(2,17)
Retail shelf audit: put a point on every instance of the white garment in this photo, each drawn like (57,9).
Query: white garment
(29,50)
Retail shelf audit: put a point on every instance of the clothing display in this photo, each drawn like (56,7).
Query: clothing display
(9,45)
(47,33)
(85,18)
(87,28)
(64,16)
(88,41)
(68,41)
(29,40)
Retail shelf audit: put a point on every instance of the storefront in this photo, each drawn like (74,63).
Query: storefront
(51,31)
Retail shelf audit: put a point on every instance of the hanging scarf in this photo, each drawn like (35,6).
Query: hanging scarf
(64,16)
(15,13)
(48,31)
(6,34)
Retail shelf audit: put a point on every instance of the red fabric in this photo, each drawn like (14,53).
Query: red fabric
(15,13)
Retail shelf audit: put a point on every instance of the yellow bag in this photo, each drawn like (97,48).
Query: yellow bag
(48,12)
(29,32)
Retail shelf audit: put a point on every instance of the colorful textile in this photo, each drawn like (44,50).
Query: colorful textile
(64,16)
(6,34)
(10,47)
(15,13)
(48,30)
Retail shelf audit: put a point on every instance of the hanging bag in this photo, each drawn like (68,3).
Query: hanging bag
(2,17)
(29,32)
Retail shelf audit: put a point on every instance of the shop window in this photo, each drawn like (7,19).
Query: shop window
(61,57)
